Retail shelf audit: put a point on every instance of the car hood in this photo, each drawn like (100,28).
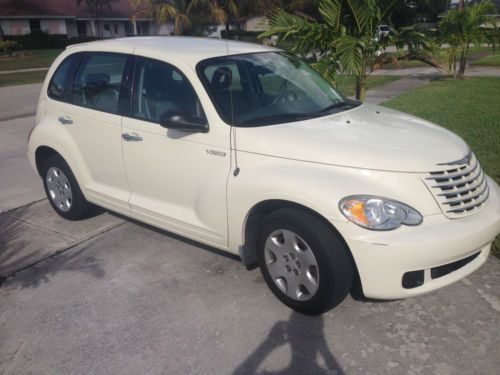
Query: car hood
(368,136)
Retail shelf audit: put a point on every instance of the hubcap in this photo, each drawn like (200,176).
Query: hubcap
(59,189)
(291,264)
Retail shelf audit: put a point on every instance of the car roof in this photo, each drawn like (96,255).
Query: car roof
(187,48)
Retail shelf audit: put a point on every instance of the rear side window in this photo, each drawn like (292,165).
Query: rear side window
(98,81)
(59,84)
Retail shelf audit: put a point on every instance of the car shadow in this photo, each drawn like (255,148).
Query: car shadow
(304,334)
(177,237)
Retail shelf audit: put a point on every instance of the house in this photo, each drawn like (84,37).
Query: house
(254,23)
(65,17)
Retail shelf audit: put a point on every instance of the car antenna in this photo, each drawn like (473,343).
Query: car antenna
(236,171)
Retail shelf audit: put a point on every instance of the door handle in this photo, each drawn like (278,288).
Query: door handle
(66,120)
(131,138)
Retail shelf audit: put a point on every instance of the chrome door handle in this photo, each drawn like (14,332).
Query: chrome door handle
(131,138)
(66,120)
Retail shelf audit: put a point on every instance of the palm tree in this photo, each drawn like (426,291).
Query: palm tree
(162,11)
(96,7)
(464,26)
(346,38)
(221,11)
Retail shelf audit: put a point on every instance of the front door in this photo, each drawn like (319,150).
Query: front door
(177,178)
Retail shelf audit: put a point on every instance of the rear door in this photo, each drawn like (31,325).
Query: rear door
(90,114)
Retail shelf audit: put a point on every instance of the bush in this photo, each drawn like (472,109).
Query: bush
(7,47)
(40,40)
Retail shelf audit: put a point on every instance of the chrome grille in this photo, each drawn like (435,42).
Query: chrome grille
(460,189)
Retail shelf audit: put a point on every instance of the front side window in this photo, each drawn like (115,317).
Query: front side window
(159,89)
(267,88)
(98,81)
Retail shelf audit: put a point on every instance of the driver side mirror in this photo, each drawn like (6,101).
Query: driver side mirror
(180,120)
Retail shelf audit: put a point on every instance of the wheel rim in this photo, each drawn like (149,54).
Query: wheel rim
(291,264)
(59,189)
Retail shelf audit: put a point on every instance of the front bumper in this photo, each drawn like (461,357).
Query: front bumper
(382,258)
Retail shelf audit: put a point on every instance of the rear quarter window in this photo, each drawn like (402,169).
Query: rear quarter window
(59,83)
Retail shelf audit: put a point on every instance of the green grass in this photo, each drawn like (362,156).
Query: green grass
(347,84)
(41,58)
(491,60)
(22,78)
(470,108)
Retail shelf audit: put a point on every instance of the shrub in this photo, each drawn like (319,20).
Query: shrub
(7,47)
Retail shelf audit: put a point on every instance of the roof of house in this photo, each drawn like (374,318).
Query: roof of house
(61,9)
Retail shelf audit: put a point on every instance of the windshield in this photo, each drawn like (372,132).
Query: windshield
(267,88)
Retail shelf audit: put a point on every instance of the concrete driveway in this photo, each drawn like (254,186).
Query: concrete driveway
(112,296)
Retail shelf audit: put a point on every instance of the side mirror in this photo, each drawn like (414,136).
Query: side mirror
(180,120)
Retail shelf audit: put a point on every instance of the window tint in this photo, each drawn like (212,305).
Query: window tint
(159,89)
(98,80)
(59,82)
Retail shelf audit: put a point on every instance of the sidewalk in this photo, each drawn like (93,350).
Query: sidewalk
(416,77)
(23,70)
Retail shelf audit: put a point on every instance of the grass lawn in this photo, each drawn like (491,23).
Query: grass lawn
(22,78)
(491,60)
(470,108)
(347,84)
(41,58)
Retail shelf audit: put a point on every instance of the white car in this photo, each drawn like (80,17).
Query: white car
(247,149)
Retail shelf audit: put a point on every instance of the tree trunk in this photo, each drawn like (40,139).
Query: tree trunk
(463,62)
(227,29)
(361,87)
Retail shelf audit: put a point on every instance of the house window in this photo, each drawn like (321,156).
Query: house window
(35,25)
(81,28)
(143,28)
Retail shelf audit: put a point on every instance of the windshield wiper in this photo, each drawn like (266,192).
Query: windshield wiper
(275,118)
(342,104)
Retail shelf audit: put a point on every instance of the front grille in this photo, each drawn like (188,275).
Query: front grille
(460,189)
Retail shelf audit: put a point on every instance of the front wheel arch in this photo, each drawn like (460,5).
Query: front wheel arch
(253,225)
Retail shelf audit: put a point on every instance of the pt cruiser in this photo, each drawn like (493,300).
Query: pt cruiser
(247,149)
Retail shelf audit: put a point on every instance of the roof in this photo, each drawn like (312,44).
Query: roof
(184,47)
(61,9)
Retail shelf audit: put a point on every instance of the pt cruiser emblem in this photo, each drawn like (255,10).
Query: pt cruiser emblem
(216,153)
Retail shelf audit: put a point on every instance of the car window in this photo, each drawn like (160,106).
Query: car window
(258,89)
(98,80)
(159,89)
(58,85)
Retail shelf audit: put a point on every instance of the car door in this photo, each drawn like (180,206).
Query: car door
(177,178)
(91,117)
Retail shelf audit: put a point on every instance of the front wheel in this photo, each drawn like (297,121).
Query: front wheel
(304,262)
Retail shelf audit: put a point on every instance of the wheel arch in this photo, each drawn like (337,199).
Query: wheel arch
(42,153)
(254,220)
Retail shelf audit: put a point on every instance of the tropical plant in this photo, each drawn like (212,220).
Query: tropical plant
(464,26)
(161,11)
(96,8)
(346,38)
(220,11)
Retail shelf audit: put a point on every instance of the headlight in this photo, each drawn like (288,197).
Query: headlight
(378,213)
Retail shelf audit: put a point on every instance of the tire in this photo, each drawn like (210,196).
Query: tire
(63,191)
(290,272)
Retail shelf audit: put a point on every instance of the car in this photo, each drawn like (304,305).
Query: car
(247,149)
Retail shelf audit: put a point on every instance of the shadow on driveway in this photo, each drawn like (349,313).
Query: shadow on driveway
(306,338)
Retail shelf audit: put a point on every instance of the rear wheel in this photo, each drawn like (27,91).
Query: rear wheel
(62,190)
(304,262)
